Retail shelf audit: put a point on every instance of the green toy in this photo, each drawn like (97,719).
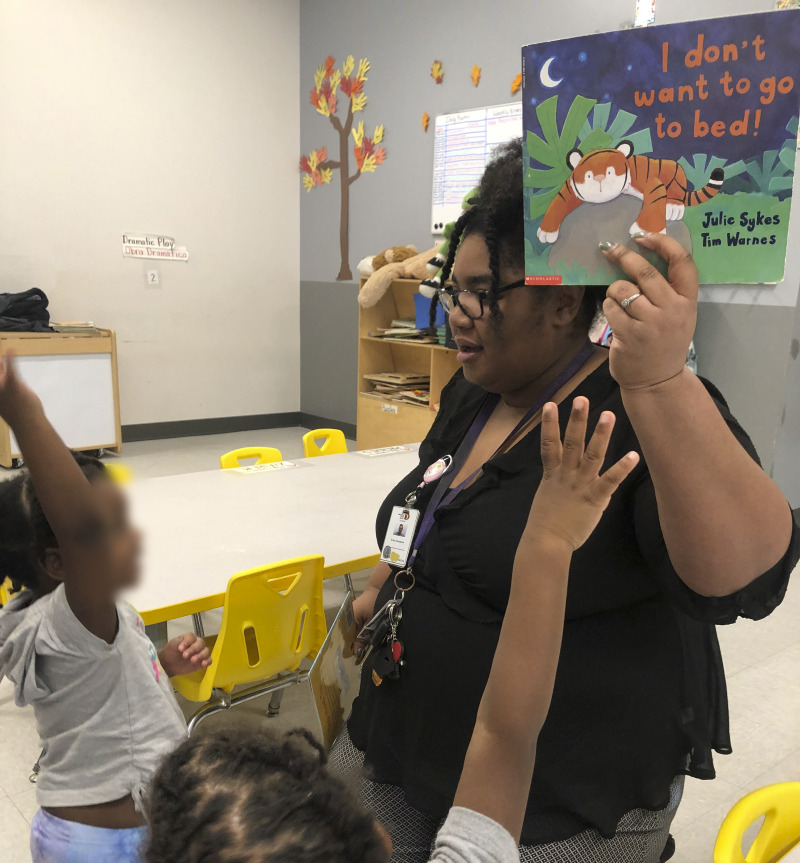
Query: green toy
(429,287)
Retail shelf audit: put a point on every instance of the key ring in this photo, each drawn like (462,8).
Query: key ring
(400,592)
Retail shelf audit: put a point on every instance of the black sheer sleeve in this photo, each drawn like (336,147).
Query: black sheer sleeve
(762,596)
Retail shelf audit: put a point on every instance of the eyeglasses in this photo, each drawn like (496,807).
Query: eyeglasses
(470,302)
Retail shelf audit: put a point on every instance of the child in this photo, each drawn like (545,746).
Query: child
(253,798)
(103,705)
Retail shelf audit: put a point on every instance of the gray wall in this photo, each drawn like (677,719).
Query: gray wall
(787,449)
(742,347)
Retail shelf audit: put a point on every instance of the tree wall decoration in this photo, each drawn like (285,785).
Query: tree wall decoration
(317,168)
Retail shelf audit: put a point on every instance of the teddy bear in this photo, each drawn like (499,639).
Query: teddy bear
(367,266)
(415,267)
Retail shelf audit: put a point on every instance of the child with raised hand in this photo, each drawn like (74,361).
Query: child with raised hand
(104,707)
(243,797)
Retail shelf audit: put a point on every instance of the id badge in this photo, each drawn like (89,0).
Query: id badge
(400,536)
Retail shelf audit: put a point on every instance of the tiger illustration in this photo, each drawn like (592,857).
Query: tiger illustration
(603,175)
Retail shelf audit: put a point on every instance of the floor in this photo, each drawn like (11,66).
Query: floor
(762,661)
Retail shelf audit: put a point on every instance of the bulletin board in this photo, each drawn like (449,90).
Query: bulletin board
(463,144)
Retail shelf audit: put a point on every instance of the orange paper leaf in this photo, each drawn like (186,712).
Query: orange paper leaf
(329,64)
(516,84)
(475,74)
(437,71)
(425,121)
(322,154)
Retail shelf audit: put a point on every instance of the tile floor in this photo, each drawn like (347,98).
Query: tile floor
(762,661)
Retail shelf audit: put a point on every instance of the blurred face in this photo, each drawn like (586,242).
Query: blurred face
(124,540)
(509,353)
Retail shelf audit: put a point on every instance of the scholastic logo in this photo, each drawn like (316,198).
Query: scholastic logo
(542,280)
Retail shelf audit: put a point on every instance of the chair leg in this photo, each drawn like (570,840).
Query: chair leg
(223,702)
(275,703)
(199,629)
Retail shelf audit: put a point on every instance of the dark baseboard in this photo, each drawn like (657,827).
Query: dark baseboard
(222,425)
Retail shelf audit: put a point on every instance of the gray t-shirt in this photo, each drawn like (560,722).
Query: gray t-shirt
(106,713)
(469,837)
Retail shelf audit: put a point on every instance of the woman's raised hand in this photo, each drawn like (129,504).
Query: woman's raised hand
(653,332)
(573,493)
(14,393)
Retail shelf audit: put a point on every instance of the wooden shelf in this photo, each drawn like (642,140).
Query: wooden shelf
(388,422)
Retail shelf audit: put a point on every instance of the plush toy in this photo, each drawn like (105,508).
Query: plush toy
(367,266)
(429,286)
(377,284)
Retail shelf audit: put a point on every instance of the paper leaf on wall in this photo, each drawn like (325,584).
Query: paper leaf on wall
(425,121)
(348,66)
(378,136)
(359,102)
(516,84)
(437,71)
(475,74)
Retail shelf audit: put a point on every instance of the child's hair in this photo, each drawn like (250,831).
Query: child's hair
(497,214)
(250,796)
(25,534)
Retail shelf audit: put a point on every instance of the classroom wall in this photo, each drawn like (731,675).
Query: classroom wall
(179,118)
(742,344)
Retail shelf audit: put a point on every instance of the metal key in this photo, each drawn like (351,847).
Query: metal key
(374,633)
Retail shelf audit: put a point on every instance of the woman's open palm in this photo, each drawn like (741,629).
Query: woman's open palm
(573,493)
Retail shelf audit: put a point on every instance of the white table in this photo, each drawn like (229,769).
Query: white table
(201,528)
(793,856)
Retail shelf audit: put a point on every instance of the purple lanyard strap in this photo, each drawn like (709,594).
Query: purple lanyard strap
(442,496)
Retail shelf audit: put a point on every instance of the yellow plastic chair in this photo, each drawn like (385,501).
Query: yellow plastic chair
(119,473)
(333,442)
(7,591)
(263,454)
(780,832)
(272,619)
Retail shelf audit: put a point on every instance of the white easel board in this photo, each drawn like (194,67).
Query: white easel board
(77,391)
(463,144)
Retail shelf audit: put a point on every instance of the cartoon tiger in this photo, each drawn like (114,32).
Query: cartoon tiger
(603,175)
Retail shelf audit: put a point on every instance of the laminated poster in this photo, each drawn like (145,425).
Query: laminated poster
(686,129)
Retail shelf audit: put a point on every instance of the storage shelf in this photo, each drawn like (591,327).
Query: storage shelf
(431,346)
(387,421)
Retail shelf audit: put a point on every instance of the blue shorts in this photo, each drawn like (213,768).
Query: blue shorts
(54,840)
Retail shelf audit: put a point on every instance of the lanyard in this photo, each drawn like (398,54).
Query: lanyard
(442,496)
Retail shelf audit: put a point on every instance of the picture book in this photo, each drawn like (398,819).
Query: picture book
(686,129)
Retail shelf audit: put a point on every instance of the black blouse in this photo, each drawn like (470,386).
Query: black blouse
(640,692)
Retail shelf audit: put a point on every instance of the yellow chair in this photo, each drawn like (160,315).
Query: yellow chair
(272,619)
(119,473)
(333,442)
(780,832)
(263,454)
(7,591)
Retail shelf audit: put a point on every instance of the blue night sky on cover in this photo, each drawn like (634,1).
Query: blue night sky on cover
(611,67)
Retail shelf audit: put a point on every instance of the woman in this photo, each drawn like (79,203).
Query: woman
(697,535)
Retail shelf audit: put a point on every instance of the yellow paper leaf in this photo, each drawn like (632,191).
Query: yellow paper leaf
(516,84)
(308,182)
(363,68)
(313,160)
(348,65)
(378,136)
(437,71)
(475,74)
(369,164)
(319,77)
(326,174)
(425,121)
(323,108)
(359,102)
(336,77)
(358,133)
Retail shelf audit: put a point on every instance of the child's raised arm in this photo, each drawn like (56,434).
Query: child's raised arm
(67,498)
(498,768)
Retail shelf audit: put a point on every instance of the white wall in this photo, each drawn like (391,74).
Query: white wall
(179,117)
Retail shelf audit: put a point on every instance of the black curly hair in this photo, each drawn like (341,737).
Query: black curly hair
(497,215)
(251,796)
(25,534)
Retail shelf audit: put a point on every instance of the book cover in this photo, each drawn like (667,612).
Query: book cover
(686,129)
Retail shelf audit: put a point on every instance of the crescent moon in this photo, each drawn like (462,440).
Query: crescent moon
(545,77)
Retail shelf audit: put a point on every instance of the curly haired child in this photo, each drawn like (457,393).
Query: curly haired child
(104,707)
